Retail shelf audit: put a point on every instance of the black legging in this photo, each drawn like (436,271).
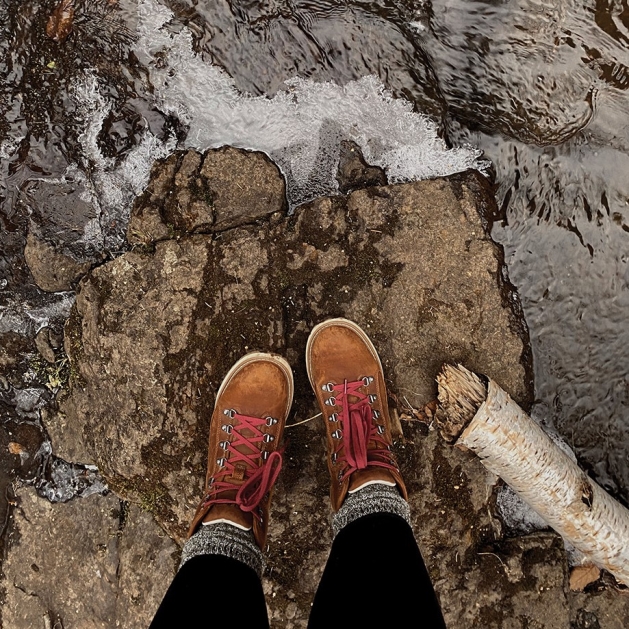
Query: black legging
(375,577)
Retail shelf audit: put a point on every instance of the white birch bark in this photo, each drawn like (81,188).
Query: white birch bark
(513,446)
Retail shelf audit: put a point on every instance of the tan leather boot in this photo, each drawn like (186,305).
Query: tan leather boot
(244,458)
(346,375)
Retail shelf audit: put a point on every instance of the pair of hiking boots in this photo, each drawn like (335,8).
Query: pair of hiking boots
(252,404)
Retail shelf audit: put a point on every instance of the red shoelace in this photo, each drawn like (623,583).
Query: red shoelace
(259,474)
(358,429)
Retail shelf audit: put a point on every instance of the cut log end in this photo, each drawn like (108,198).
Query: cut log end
(461,392)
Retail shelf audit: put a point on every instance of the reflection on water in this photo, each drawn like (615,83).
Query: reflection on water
(539,85)
(548,81)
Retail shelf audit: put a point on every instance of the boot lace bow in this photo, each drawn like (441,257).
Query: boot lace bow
(245,459)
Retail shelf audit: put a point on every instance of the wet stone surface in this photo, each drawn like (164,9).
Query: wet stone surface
(84,563)
(154,331)
(189,193)
(52,270)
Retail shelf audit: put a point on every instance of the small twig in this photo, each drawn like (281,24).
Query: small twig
(303,421)
(504,565)
(497,557)
(408,404)
(407,418)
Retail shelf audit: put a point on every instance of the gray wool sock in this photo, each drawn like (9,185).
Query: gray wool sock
(370,499)
(224,539)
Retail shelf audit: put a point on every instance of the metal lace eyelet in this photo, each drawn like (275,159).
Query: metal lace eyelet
(268,438)
(340,476)
(367,380)
(210,482)
(227,428)
(375,414)
(265,455)
(337,434)
(333,418)
(331,401)
(224,445)
(230,412)
(334,457)
(329,387)
(271,421)
(372,398)
(380,430)
(221,462)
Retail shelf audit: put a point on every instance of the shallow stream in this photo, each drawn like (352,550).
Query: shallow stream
(538,88)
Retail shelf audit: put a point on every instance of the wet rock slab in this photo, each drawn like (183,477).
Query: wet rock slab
(53,271)
(91,562)
(154,331)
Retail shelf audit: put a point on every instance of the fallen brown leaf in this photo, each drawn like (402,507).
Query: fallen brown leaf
(582,576)
(59,24)
(419,415)
(15,448)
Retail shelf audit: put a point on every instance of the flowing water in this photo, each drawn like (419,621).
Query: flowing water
(426,88)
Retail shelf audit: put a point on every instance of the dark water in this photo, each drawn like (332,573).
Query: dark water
(540,87)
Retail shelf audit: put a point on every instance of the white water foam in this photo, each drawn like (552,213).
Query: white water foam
(301,127)
(114,186)
(27,319)
(110,189)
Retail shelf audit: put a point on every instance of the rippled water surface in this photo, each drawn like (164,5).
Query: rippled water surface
(539,87)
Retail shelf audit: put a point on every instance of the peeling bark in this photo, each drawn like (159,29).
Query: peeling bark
(513,446)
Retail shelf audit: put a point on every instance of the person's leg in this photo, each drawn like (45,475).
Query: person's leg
(375,576)
(221,564)
(204,588)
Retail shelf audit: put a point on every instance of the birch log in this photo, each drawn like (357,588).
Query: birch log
(478,415)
